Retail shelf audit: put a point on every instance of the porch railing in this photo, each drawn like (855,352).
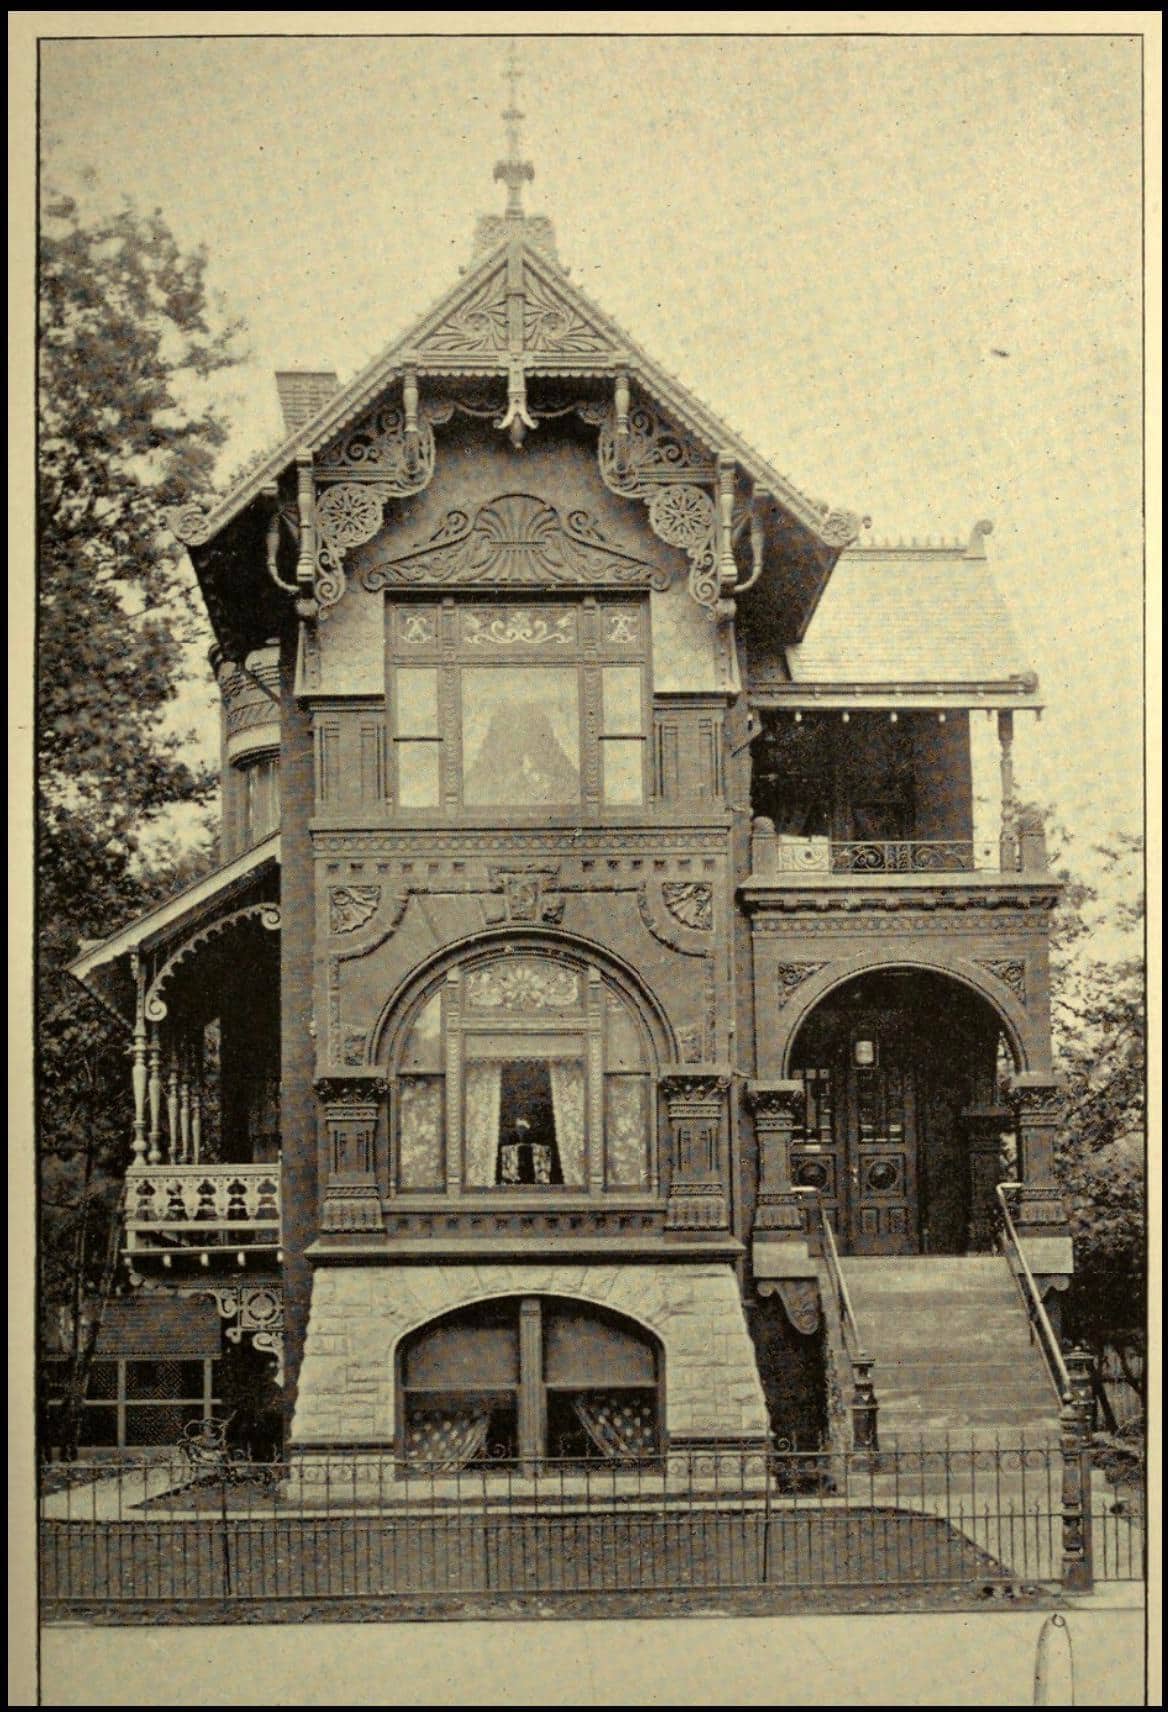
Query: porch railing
(1041,1330)
(864,1406)
(185,1205)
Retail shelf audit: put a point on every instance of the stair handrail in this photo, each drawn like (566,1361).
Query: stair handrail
(864,1406)
(840,1286)
(1031,1296)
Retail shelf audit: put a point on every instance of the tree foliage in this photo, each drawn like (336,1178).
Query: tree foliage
(1100,1031)
(129,335)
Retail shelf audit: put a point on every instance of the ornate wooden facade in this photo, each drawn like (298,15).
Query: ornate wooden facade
(611,921)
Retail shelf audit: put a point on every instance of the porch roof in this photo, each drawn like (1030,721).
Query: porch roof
(908,623)
(103,966)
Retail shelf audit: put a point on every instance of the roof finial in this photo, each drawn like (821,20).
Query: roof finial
(514,171)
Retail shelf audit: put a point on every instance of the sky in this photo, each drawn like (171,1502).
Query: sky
(907,270)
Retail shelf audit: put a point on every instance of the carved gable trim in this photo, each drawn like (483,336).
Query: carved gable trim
(516,539)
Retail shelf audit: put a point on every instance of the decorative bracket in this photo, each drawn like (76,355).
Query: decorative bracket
(390,455)
(642,457)
(154,1006)
(516,419)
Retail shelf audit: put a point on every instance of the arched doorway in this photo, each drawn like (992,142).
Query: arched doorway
(901,1132)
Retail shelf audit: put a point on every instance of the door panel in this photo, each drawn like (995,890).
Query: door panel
(818,1156)
(882,1153)
(858,1140)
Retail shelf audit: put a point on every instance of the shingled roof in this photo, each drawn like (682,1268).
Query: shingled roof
(928,619)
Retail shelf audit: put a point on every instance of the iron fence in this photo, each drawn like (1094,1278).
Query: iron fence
(370,1526)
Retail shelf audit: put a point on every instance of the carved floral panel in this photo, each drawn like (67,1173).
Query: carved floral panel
(523,984)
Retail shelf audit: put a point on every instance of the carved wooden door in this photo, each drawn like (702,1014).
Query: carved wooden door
(881,1129)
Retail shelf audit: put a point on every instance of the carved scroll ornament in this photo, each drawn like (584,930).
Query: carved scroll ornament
(350,907)
(390,455)
(516,539)
(642,457)
(267,914)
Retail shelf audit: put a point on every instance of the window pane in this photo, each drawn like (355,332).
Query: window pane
(623,1049)
(420,1150)
(622,701)
(417,701)
(521,735)
(423,1049)
(163,1379)
(594,1425)
(447,1434)
(417,775)
(156,1424)
(622,769)
(626,1133)
(583,1347)
(479,1349)
(99,1426)
(103,1380)
(525,1123)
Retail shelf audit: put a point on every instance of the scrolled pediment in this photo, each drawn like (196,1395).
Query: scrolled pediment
(516,540)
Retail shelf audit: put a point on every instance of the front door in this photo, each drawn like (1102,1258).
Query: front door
(858,1145)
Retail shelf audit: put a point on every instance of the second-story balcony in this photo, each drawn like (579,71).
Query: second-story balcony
(188,1211)
(779,859)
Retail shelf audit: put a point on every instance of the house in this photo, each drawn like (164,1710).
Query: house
(603,963)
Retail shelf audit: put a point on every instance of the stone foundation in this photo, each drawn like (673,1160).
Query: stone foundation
(360,1314)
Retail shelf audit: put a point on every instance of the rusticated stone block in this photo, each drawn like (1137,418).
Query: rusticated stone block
(712,1388)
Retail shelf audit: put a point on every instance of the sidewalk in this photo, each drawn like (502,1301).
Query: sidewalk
(113,1498)
(934,1659)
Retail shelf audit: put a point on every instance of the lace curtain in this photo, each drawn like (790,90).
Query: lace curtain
(484,1083)
(445,1440)
(618,1424)
(567,1079)
(420,1132)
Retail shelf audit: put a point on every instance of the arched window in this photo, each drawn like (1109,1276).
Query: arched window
(524,1071)
(528,1377)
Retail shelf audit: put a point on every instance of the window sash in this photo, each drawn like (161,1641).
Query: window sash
(605,649)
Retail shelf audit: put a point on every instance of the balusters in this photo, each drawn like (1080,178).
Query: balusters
(138,1071)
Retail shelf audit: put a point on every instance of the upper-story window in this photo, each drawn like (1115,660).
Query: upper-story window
(531,707)
(260,797)
(524,1071)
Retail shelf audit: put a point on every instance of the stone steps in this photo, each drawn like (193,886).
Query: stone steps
(952,1350)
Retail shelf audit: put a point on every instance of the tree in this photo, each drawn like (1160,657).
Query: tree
(128,337)
(1101,1041)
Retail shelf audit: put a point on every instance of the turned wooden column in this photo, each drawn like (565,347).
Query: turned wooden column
(777,1107)
(138,1071)
(695,1099)
(1008,838)
(154,1096)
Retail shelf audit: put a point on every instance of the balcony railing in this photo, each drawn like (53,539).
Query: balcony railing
(182,1206)
(781,857)
(905,856)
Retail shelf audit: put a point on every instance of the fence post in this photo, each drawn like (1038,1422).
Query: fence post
(865,1439)
(1075,1419)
